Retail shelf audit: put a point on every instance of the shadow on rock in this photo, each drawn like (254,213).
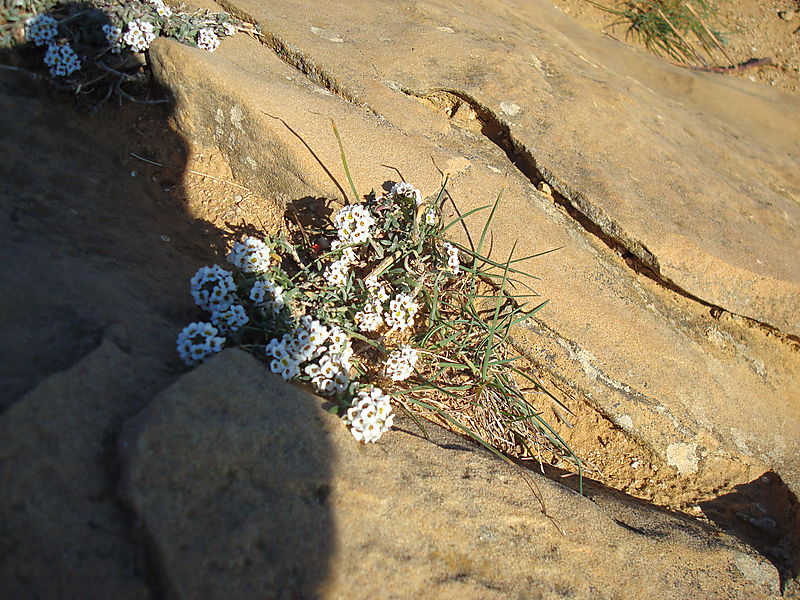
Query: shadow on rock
(98,248)
(229,472)
(766,515)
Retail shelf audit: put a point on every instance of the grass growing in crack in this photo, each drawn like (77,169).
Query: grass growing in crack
(673,28)
(374,307)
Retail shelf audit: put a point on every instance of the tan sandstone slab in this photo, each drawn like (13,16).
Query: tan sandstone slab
(694,173)
(652,361)
(246,488)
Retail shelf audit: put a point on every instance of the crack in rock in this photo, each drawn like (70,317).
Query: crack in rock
(590,217)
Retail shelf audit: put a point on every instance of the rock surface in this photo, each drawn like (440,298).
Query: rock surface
(675,197)
(651,359)
(245,487)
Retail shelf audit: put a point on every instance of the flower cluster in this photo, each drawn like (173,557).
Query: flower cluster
(336,272)
(213,288)
(251,256)
(140,35)
(41,29)
(162,9)
(353,224)
(401,363)
(197,341)
(207,39)
(267,296)
(452,258)
(62,60)
(228,29)
(370,318)
(370,415)
(406,190)
(402,310)
(113,37)
(323,353)
(231,319)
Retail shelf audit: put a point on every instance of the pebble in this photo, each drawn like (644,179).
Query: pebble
(787,15)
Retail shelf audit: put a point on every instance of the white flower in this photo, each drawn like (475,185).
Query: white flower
(228,29)
(401,363)
(41,29)
(406,190)
(207,39)
(251,256)
(353,224)
(452,258)
(230,319)
(113,37)
(62,60)
(213,288)
(431,218)
(140,35)
(370,415)
(402,310)
(162,9)
(267,296)
(197,341)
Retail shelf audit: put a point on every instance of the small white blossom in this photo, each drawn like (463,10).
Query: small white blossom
(230,319)
(402,310)
(267,296)
(452,258)
(140,35)
(113,37)
(197,341)
(401,363)
(162,9)
(251,256)
(406,190)
(431,218)
(213,288)
(370,415)
(62,60)
(207,39)
(228,29)
(41,29)
(353,224)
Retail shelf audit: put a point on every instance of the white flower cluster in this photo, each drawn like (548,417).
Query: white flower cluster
(406,190)
(267,296)
(62,60)
(336,273)
(370,415)
(401,363)
(452,258)
(353,224)
(113,37)
(230,319)
(41,29)
(402,310)
(213,288)
(197,341)
(207,39)
(325,351)
(371,317)
(140,35)
(251,256)
(162,9)
(229,29)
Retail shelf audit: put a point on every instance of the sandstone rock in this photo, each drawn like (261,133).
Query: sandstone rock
(652,360)
(245,487)
(63,533)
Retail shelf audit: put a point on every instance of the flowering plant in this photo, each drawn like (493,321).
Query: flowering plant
(374,308)
(93,48)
